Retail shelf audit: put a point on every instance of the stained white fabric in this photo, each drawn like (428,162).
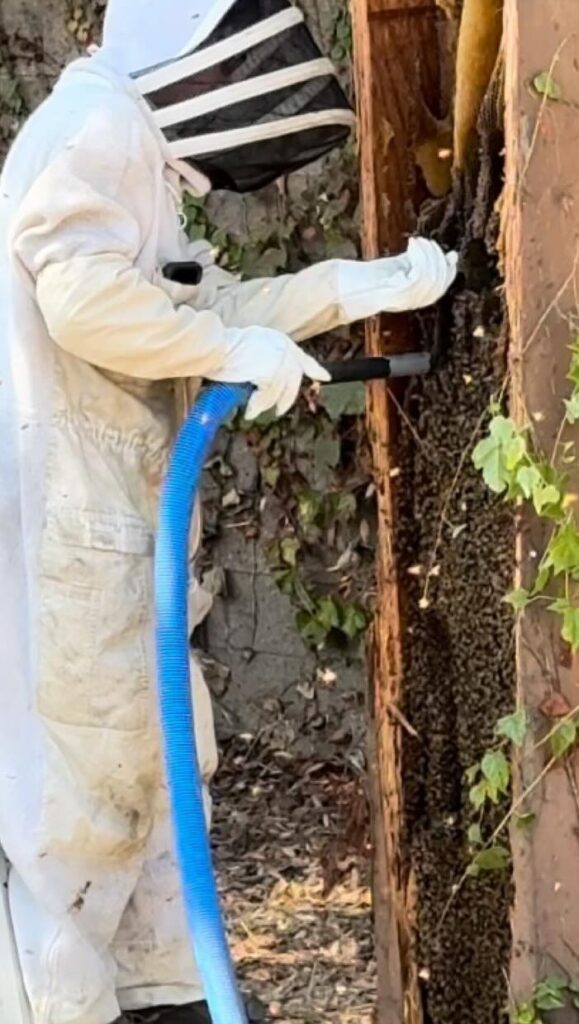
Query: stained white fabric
(94,348)
(96,300)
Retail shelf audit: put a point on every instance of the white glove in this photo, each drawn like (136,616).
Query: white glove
(395,284)
(273,363)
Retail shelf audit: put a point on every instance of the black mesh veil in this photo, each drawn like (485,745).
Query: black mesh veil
(256,100)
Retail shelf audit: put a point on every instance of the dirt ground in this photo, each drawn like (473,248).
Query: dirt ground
(293,855)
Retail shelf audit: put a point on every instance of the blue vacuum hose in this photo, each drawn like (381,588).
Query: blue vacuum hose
(192,843)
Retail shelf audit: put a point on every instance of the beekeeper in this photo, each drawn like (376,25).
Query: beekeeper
(101,355)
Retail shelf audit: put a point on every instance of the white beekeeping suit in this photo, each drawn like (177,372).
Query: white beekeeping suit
(99,358)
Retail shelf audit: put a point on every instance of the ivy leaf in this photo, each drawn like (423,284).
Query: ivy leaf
(343,400)
(312,632)
(487,459)
(474,835)
(478,794)
(518,599)
(513,727)
(541,581)
(346,506)
(326,455)
(502,430)
(498,455)
(496,858)
(528,478)
(563,552)
(545,495)
(550,994)
(525,821)
(570,630)
(471,773)
(573,372)
(572,407)
(511,442)
(327,452)
(270,475)
(493,793)
(545,85)
(328,614)
(289,548)
(514,452)
(309,507)
(496,770)
(555,982)
(354,621)
(563,737)
(526,1015)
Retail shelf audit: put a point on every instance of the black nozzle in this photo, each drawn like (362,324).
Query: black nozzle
(406,364)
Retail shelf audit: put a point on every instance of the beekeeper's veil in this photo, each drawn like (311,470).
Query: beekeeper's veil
(239,87)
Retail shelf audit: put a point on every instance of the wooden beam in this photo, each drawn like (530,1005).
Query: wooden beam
(541,213)
(397,76)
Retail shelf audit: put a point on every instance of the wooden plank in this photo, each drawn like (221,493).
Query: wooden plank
(396,65)
(541,261)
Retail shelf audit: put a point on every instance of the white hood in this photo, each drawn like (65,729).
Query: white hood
(238,87)
(140,34)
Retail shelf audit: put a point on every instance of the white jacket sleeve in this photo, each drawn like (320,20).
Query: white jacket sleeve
(79,232)
(332,294)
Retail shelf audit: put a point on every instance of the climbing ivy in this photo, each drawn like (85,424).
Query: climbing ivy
(512,466)
(552,993)
(489,783)
(305,468)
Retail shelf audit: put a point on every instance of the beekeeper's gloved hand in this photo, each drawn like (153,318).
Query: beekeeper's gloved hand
(273,363)
(417,278)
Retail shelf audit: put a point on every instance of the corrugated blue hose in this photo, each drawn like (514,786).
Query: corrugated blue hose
(204,917)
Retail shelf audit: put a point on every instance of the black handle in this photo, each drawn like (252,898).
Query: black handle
(407,364)
(190,272)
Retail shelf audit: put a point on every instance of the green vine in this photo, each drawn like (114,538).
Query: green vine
(511,465)
(553,993)
(490,783)
(301,467)
(343,41)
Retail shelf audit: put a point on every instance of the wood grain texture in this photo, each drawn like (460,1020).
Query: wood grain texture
(398,89)
(541,222)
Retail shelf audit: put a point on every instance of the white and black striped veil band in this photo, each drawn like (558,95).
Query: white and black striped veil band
(254,100)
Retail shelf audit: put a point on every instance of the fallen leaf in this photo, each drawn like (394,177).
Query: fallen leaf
(545,85)
(231,499)
(555,706)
